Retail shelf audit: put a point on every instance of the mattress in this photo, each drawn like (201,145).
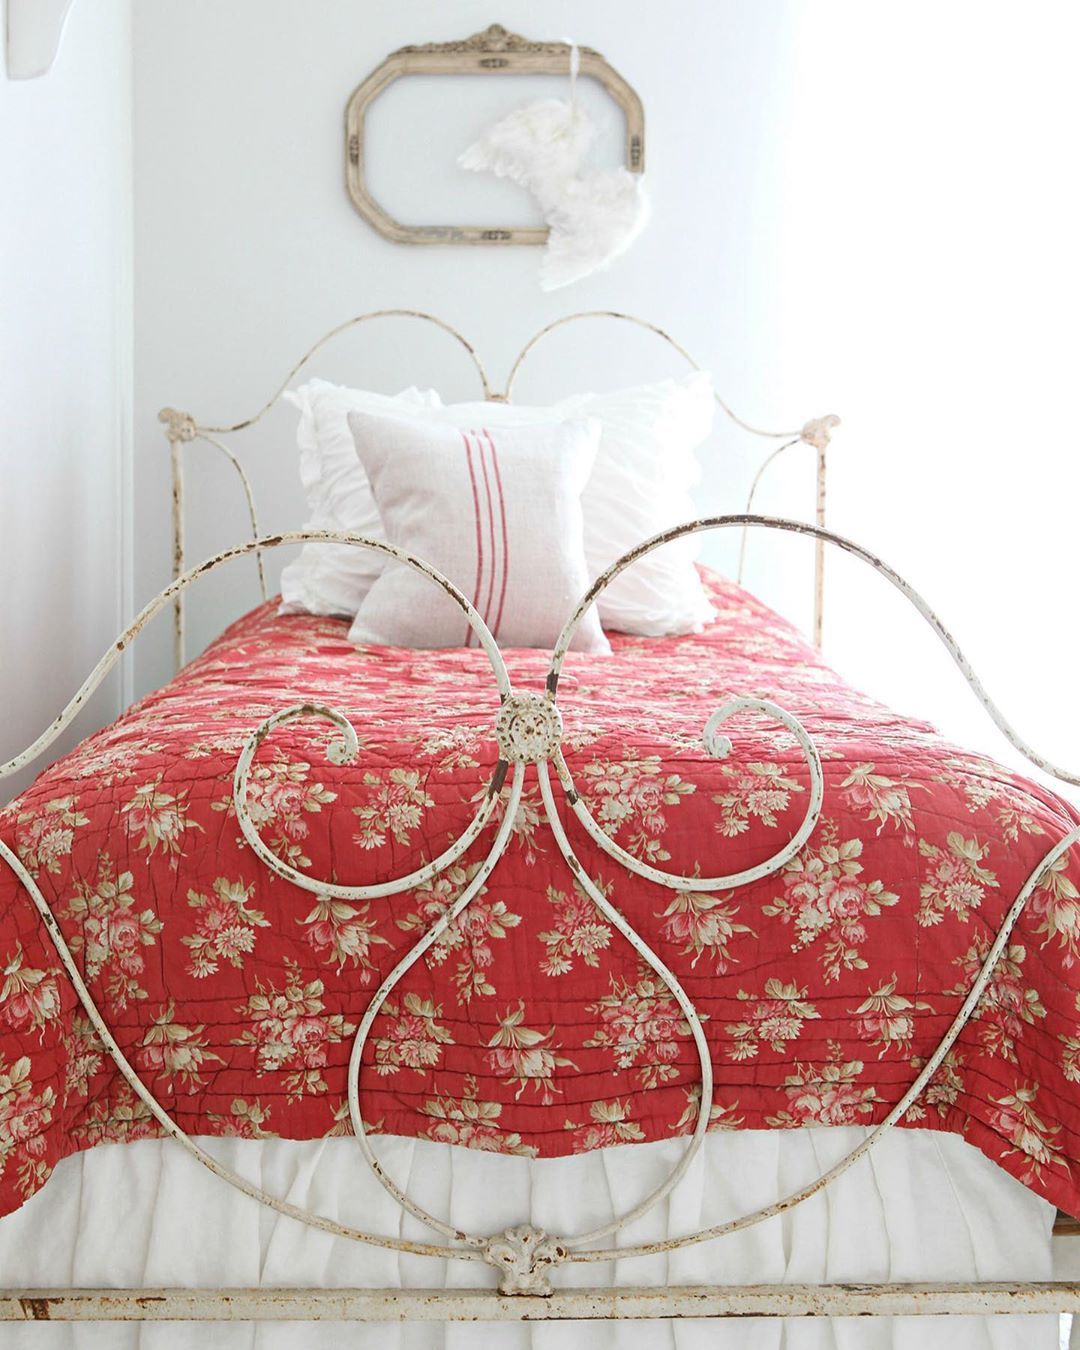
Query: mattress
(531,1029)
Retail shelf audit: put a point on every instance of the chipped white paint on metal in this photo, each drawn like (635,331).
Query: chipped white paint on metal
(181,428)
(528,732)
(249,496)
(816,433)
(628,1303)
(528,728)
(524,1255)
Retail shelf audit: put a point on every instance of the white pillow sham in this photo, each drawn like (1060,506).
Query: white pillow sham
(640,485)
(495,509)
(334,578)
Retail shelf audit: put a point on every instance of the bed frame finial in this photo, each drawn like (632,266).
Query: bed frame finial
(179,426)
(524,1256)
(528,728)
(818,431)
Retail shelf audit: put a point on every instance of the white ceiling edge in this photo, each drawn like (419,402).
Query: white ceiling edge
(34,30)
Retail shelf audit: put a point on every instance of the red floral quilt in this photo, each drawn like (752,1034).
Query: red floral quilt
(531,1027)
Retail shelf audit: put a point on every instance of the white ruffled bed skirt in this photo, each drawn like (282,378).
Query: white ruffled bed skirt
(922,1206)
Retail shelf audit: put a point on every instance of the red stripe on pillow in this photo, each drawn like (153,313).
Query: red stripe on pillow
(486,613)
(502,519)
(470,636)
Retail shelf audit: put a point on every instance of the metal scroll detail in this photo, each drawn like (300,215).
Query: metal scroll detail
(528,733)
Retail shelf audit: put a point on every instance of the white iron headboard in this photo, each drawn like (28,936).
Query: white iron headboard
(183,427)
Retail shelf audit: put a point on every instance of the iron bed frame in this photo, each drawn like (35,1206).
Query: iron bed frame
(528,732)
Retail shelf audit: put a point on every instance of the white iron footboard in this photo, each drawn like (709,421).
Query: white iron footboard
(528,733)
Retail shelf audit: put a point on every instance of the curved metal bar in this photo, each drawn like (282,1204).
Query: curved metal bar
(797,440)
(719,747)
(647,954)
(235,462)
(816,433)
(175,588)
(347,752)
(182,427)
(449,915)
(344,328)
(848,546)
(963,1016)
(166,1121)
(649,328)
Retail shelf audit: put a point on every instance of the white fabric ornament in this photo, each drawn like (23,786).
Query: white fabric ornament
(593,215)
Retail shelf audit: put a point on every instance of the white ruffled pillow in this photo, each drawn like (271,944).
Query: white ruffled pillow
(334,578)
(640,485)
(495,509)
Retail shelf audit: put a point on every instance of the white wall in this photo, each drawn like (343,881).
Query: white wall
(933,283)
(248,248)
(65,375)
(859,208)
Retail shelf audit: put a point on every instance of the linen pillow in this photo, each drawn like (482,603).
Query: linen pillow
(334,578)
(640,485)
(496,511)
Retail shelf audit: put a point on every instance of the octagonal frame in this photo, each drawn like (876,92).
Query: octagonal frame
(491,52)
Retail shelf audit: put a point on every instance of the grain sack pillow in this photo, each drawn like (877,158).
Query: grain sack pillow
(641,484)
(498,511)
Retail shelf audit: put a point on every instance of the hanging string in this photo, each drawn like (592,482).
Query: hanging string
(575,66)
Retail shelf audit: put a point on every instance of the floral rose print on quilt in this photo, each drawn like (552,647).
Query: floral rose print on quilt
(530,1027)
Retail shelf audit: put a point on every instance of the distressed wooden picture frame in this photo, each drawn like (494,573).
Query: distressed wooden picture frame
(492,52)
